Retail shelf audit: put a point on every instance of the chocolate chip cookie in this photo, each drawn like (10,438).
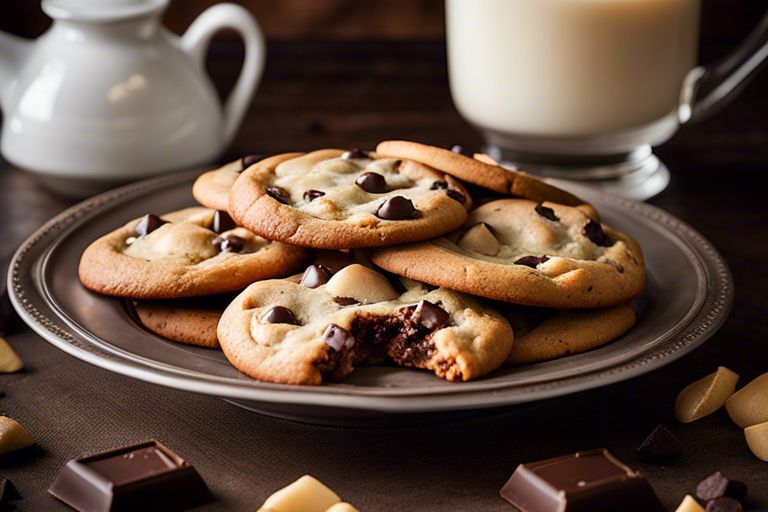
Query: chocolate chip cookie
(318,330)
(520,251)
(543,334)
(482,172)
(191,252)
(212,188)
(332,199)
(192,322)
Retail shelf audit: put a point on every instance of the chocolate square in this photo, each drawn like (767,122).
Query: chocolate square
(146,476)
(590,481)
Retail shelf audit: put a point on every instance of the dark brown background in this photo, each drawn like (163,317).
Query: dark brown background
(319,90)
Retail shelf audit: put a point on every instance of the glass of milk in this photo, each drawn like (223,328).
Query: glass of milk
(583,89)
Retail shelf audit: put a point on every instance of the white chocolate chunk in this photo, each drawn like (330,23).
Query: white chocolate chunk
(362,284)
(9,361)
(307,494)
(479,238)
(757,440)
(749,405)
(706,395)
(13,436)
(689,504)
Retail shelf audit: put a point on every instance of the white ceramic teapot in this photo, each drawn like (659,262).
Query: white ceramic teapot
(107,95)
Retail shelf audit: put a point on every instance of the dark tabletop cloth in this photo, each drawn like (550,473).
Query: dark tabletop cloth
(352,95)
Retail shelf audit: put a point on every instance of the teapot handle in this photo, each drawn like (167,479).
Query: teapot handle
(196,40)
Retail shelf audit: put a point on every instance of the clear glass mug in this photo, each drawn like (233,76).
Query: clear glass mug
(583,89)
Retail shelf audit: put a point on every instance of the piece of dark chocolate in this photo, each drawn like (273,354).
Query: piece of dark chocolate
(590,481)
(338,338)
(279,194)
(717,485)
(315,275)
(546,212)
(396,208)
(532,261)
(372,182)
(280,315)
(222,222)
(146,476)
(8,494)
(311,195)
(661,445)
(148,224)
(724,504)
(249,160)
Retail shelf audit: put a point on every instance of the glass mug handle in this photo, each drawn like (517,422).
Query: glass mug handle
(708,88)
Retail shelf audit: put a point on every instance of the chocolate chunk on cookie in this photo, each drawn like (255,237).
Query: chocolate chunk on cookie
(184,256)
(331,199)
(442,331)
(512,250)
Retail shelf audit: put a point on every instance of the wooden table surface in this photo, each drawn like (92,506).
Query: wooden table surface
(352,95)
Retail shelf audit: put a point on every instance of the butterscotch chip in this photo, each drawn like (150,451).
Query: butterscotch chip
(689,504)
(9,361)
(13,436)
(307,494)
(705,396)
(749,405)
(757,440)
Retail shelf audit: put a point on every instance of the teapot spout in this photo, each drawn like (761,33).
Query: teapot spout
(12,53)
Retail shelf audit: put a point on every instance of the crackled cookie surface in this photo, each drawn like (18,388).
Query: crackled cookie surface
(195,251)
(482,172)
(332,199)
(520,251)
(212,188)
(280,331)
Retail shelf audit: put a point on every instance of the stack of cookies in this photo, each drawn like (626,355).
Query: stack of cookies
(302,266)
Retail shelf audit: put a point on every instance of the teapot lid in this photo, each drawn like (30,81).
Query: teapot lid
(100,11)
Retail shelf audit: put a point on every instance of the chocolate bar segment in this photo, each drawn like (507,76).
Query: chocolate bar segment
(590,481)
(147,476)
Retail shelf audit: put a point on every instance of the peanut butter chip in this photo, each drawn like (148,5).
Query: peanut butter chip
(9,361)
(13,436)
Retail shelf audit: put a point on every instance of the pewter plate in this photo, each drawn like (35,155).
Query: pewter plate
(688,296)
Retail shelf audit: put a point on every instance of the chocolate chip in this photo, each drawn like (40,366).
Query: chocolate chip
(546,212)
(148,224)
(249,160)
(439,185)
(456,195)
(279,194)
(594,231)
(461,151)
(717,485)
(396,208)
(337,338)
(315,275)
(8,493)
(724,504)
(312,194)
(355,154)
(279,315)
(372,182)
(430,315)
(532,261)
(345,301)
(661,445)
(222,222)
(229,243)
